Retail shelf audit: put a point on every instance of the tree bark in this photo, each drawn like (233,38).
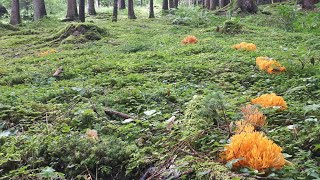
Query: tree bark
(82,11)
(308,4)
(165,5)
(75,8)
(72,11)
(131,14)
(207,4)
(91,8)
(122,4)
(222,3)
(15,13)
(115,11)
(97,3)
(176,4)
(151,11)
(213,4)
(249,6)
(171,4)
(39,9)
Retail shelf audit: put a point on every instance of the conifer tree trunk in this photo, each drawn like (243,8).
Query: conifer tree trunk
(308,4)
(131,14)
(75,8)
(213,4)
(122,4)
(15,13)
(72,11)
(151,11)
(176,4)
(39,9)
(207,4)
(171,4)
(91,8)
(165,5)
(115,11)
(82,11)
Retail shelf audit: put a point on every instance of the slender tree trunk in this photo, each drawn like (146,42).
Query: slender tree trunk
(171,4)
(308,4)
(115,11)
(122,4)
(176,4)
(82,16)
(165,5)
(72,11)
(91,8)
(39,9)
(97,3)
(15,13)
(131,14)
(151,11)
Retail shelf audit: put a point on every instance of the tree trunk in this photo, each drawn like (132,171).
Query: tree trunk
(39,9)
(82,11)
(97,4)
(115,11)
(213,4)
(151,11)
(249,6)
(308,4)
(176,4)
(122,4)
(207,4)
(15,13)
(222,3)
(91,8)
(131,14)
(75,8)
(171,4)
(72,11)
(165,5)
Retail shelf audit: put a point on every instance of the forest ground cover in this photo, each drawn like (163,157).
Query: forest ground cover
(139,67)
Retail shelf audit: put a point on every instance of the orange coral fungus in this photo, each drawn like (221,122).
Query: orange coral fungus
(45,53)
(253,116)
(92,134)
(190,40)
(253,150)
(245,46)
(244,126)
(270,100)
(269,65)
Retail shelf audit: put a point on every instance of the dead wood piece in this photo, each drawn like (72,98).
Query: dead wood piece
(58,72)
(111,112)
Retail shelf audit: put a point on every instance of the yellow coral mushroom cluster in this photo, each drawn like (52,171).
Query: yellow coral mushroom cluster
(244,126)
(45,53)
(253,116)
(270,100)
(253,150)
(245,46)
(189,40)
(253,119)
(269,65)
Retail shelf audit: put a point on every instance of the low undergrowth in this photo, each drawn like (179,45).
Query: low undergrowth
(140,68)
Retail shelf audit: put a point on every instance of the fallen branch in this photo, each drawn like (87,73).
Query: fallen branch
(111,112)
(58,72)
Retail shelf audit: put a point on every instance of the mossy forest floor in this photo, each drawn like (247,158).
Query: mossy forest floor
(139,66)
